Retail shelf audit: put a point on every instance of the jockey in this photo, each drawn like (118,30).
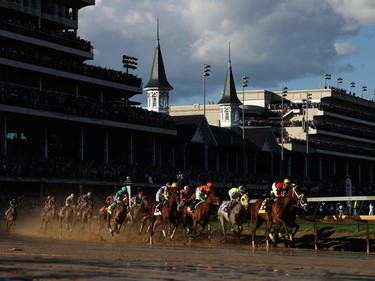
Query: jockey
(184,195)
(160,195)
(138,197)
(69,200)
(278,189)
(49,202)
(202,192)
(85,199)
(118,198)
(235,195)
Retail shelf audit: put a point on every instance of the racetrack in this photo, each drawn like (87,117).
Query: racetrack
(28,254)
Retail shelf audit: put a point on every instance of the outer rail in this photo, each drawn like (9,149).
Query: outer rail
(337,218)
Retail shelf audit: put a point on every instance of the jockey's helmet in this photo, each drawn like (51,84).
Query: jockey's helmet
(72,195)
(174,185)
(48,197)
(89,194)
(123,188)
(186,188)
(287,182)
(210,184)
(241,189)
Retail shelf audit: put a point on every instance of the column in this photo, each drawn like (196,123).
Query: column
(82,145)
(4,139)
(106,147)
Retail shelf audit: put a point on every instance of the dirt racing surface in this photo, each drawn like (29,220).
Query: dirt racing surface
(26,253)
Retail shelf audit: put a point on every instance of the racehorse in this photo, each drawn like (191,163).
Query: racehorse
(140,212)
(104,216)
(66,216)
(240,214)
(281,212)
(167,215)
(11,217)
(118,216)
(201,215)
(47,216)
(84,215)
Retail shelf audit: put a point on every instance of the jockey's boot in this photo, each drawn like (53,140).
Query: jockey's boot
(269,204)
(230,206)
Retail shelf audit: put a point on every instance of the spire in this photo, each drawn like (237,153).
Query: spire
(158,78)
(229,93)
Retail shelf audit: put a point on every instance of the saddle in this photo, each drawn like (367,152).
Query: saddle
(192,206)
(159,207)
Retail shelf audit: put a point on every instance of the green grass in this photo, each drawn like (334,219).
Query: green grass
(349,229)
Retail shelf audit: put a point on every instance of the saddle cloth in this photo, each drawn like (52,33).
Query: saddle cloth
(263,206)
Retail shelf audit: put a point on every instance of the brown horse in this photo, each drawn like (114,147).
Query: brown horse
(66,216)
(167,216)
(103,215)
(118,216)
(84,216)
(281,213)
(11,216)
(204,211)
(47,216)
(140,212)
(240,214)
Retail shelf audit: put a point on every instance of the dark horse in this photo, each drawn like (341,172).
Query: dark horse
(104,216)
(282,212)
(240,214)
(84,215)
(167,216)
(66,216)
(202,214)
(47,216)
(140,212)
(11,216)
(118,216)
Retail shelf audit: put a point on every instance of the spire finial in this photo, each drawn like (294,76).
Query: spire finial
(157,30)
(229,63)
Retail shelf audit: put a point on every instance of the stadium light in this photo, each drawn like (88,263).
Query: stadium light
(364,89)
(326,77)
(283,96)
(351,85)
(206,73)
(129,62)
(245,82)
(338,81)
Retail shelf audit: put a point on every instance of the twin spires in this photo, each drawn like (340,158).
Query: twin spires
(158,89)
(158,86)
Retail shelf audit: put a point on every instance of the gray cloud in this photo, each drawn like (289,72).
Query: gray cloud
(271,41)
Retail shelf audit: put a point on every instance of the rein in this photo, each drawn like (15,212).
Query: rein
(299,204)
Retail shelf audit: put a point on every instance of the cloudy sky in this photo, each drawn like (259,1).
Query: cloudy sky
(276,43)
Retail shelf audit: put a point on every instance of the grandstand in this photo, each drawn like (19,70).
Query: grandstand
(67,124)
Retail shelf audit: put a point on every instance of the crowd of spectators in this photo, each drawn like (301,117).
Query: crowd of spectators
(17,95)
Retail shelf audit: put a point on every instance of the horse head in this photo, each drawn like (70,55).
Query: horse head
(213,198)
(245,201)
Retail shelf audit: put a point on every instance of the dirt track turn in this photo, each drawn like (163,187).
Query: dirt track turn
(26,255)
